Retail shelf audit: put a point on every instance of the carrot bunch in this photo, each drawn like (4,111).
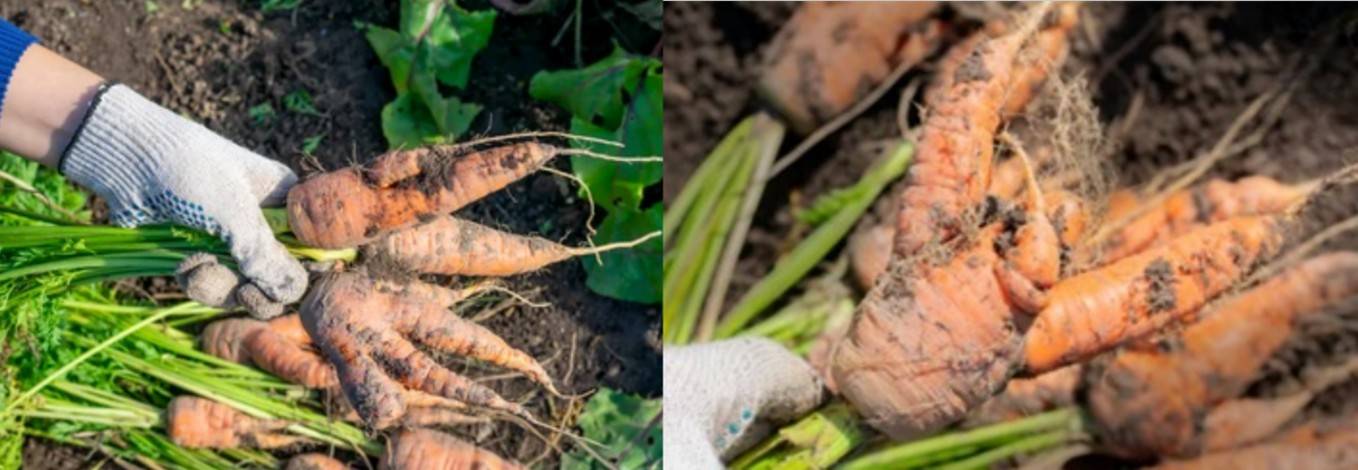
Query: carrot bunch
(929,342)
(368,321)
(983,280)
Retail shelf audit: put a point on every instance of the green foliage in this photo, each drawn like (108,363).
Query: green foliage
(43,179)
(432,50)
(595,93)
(619,98)
(267,6)
(262,114)
(300,102)
(310,144)
(829,204)
(626,426)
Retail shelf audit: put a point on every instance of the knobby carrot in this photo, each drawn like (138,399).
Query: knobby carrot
(1168,403)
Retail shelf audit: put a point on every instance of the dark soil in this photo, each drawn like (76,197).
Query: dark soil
(215,60)
(1191,69)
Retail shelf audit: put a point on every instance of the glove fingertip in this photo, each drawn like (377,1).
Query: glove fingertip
(208,283)
(257,303)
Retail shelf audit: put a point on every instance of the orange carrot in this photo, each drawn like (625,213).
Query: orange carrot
(343,208)
(362,329)
(448,245)
(1168,403)
(424,449)
(315,461)
(1184,210)
(951,170)
(1097,310)
(924,351)
(829,55)
(1334,450)
(1028,396)
(195,423)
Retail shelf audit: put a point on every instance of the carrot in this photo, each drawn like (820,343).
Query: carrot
(829,55)
(1334,450)
(448,245)
(924,351)
(196,423)
(870,247)
(315,461)
(424,449)
(1097,310)
(343,208)
(1167,403)
(1028,396)
(362,328)
(1184,210)
(934,339)
(951,170)
(281,347)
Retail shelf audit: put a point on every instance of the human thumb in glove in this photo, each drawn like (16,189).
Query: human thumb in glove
(151,166)
(723,397)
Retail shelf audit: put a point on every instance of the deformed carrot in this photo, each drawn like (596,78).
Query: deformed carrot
(829,55)
(424,449)
(362,329)
(343,208)
(279,346)
(196,422)
(1168,403)
(951,171)
(924,351)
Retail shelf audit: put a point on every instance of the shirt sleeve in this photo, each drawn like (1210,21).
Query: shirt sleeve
(13,43)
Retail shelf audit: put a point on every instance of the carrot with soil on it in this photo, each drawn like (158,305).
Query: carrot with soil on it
(1186,209)
(1169,403)
(376,359)
(1094,311)
(200,423)
(951,173)
(449,245)
(352,206)
(1028,396)
(828,55)
(1331,450)
(281,347)
(934,339)
(426,449)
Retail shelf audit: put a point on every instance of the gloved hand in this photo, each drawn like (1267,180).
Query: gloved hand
(153,165)
(723,397)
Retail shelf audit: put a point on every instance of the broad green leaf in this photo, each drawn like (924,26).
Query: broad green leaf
(595,92)
(455,117)
(643,131)
(600,176)
(415,14)
(395,53)
(455,38)
(406,123)
(617,420)
(632,274)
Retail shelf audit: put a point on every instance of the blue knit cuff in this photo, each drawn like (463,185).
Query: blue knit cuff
(13,43)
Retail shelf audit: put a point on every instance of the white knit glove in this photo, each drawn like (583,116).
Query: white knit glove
(723,397)
(152,165)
